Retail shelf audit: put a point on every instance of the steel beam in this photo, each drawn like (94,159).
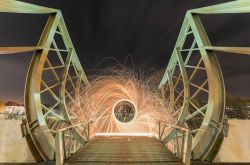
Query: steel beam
(13,6)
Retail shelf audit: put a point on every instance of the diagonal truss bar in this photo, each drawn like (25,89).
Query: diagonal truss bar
(181,94)
(57,51)
(190,52)
(196,69)
(48,87)
(70,79)
(198,111)
(50,110)
(53,67)
(178,79)
(199,89)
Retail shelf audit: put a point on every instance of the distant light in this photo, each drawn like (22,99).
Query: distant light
(124,111)
(126,134)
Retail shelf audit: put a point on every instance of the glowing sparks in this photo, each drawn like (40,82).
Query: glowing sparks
(126,134)
(97,102)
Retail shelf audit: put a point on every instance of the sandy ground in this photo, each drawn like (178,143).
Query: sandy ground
(236,146)
(13,147)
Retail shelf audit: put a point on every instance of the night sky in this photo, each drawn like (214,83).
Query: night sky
(144,29)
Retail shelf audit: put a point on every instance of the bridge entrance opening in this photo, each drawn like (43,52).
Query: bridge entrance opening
(124,111)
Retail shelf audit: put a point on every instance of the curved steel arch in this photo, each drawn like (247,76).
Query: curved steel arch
(205,120)
(50,83)
(46,111)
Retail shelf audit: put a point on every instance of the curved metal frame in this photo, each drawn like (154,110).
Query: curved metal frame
(205,135)
(37,111)
(35,80)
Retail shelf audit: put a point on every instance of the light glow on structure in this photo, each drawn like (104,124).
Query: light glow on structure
(12,112)
(97,103)
(127,134)
(15,109)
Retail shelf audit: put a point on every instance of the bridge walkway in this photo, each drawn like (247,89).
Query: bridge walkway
(124,150)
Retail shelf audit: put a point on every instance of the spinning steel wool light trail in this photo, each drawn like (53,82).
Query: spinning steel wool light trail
(99,100)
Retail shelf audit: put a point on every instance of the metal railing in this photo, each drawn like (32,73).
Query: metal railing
(69,139)
(177,139)
(67,142)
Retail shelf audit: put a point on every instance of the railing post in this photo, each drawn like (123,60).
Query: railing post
(183,151)
(177,143)
(160,131)
(187,148)
(88,131)
(182,143)
(59,148)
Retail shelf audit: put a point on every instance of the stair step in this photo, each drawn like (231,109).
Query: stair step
(123,150)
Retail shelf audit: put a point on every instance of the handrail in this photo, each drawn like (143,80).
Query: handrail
(62,138)
(181,138)
(60,142)
(70,126)
(179,135)
(77,125)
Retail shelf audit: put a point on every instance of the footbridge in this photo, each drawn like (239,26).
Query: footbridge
(127,148)
(192,89)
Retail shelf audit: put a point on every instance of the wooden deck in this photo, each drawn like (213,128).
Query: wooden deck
(124,150)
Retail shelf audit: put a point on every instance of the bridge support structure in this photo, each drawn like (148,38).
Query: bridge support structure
(193,85)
